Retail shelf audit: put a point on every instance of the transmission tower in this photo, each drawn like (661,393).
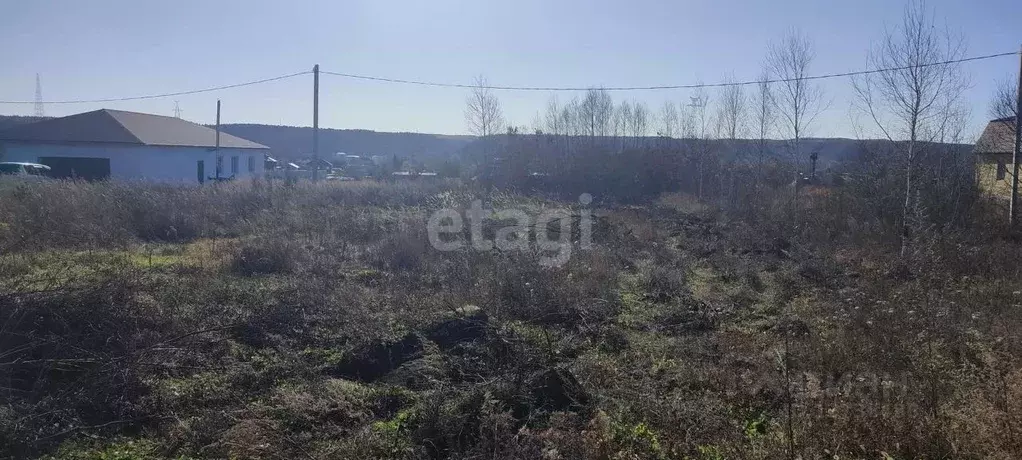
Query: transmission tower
(39,112)
(177,110)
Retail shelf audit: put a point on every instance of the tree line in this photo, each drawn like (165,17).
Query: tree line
(717,146)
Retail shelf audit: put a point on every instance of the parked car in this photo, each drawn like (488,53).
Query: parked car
(29,171)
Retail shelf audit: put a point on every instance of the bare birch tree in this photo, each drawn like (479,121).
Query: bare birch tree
(910,102)
(615,123)
(604,112)
(537,125)
(640,120)
(762,104)
(482,110)
(571,124)
(623,113)
(687,122)
(731,110)
(554,121)
(596,111)
(570,118)
(668,120)
(731,126)
(700,136)
(797,100)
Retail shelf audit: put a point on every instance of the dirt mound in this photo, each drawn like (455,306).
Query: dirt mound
(467,324)
(377,358)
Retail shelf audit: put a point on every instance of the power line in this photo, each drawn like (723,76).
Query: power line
(157,96)
(512,88)
(662,87)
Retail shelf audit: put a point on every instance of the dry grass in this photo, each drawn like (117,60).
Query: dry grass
(257,320)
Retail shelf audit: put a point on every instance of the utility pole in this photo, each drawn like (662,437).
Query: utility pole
(315,122)
(219,161)
(1012,212)
(177,109)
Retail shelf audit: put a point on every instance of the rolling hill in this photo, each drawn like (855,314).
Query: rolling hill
(296,141)
(288,142)
(291,142)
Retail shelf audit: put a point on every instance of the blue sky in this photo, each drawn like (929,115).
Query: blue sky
(113,48)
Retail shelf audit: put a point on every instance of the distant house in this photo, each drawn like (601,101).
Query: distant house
(113,144)
(993,157)
(414,175)
(358,166)
(318,163)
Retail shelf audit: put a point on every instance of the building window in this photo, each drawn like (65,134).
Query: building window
(251,164)
(1002,169)
(234,165)
(200,171)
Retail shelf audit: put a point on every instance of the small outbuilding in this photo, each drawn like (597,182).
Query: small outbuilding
(114,144)
(993,153)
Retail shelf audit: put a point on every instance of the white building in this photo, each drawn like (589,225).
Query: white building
(132,146)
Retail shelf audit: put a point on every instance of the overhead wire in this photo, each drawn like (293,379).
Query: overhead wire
(661,87)
(157,96)
(519,88)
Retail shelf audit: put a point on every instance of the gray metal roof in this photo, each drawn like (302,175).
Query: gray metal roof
(120,127)
(998,137)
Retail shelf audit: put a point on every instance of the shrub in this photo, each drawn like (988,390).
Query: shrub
(581,293)
(664,283)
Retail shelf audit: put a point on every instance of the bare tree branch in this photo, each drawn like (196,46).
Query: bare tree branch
(595,112)
(764,117)
(918,101)
(482,111)
(668,119)
(731,111)
(1004,106)
(797,100)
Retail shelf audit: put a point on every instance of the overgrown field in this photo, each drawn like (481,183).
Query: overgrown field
(256,320)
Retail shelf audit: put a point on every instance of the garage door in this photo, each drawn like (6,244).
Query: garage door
(80,168)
